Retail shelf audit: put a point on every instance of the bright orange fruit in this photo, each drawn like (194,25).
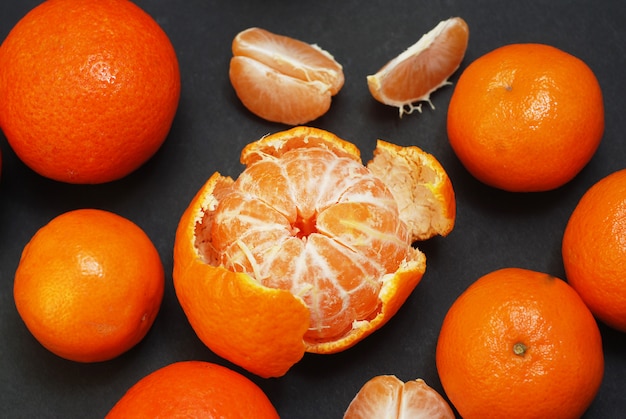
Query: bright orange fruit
(423,68)
(594,249)
(194,389)
(106,81)
(520,343)
(526,117)
(282,79)
(308,250)
(385,396)
(89,285)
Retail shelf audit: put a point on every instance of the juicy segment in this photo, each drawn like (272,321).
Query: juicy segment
(422,68)
(289,56)
(321,226)
(282,79)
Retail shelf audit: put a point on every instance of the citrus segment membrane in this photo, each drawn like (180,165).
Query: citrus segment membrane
(420,186)
(422,68)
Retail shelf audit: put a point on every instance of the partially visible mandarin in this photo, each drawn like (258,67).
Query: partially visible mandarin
(526,117)
(106,81)
(424,67)
(282,79)
(89,285)
(594,249)
(194,389)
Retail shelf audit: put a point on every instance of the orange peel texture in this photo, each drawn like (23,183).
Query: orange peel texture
(308,250)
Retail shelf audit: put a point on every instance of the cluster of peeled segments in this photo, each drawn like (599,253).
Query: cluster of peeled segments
(256,258)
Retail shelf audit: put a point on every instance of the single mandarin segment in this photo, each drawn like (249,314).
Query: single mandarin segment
(89,89)
(526,117)
(308,250)
(520,343)
(594,249)
(422,68)
(386,396)
(89,285)
(282,79)
(195,389)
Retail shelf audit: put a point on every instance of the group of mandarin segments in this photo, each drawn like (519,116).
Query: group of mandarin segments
(309,249)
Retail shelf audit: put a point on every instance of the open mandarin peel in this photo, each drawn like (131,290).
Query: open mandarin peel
(306,251)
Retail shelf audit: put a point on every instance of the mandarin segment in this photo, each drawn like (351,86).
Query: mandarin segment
(282,79)
(290,56)
(386,396)
(422,68)
(305,221)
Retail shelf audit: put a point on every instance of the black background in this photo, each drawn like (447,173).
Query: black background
(494,229)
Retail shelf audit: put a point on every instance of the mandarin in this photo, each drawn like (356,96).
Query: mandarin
(386,396)
(526,117)
(422,68)
(594,249)
(194,389)
(89,89)
(520,343)
(89,285)
(308,249)
(282,79)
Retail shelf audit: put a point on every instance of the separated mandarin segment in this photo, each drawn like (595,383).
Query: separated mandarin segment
(422,68)
(282,79)
(386,396)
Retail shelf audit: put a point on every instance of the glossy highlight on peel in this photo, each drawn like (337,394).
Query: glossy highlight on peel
(306,224)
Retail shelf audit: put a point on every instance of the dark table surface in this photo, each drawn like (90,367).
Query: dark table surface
(494,229)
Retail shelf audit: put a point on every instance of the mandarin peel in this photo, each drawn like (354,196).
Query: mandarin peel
(420,186)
